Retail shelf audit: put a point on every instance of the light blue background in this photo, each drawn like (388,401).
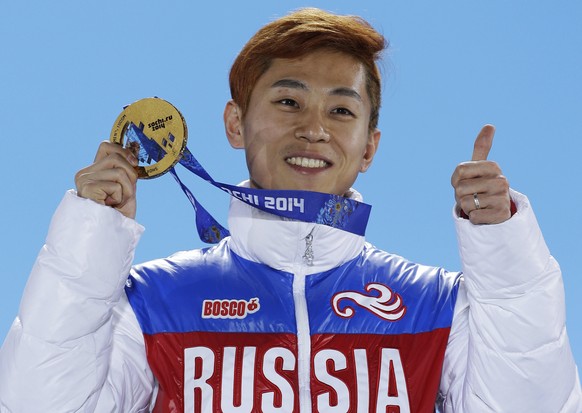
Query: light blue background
(68,67)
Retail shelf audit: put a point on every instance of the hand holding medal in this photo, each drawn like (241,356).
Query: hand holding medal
(155,132)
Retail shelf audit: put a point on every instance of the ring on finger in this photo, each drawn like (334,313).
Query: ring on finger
(476,201)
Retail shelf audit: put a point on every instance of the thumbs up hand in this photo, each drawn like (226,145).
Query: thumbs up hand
(481,191)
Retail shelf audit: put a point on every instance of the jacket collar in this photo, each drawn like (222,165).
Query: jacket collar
(282,243)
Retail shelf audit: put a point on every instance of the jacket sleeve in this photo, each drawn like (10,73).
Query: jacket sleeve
(75,344)
(508,350)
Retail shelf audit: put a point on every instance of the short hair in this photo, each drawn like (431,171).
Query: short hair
(300,33)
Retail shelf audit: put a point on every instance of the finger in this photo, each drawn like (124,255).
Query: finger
(489,216)
(121,196)
(109,148)
(113,160)
(492,193)
(474,169)
(112,183)
(483,143)
(490,185)
(103,192)
(473,202)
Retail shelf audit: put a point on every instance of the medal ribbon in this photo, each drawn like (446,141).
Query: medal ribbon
(321,208)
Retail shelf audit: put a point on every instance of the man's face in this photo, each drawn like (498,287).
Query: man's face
(306,126)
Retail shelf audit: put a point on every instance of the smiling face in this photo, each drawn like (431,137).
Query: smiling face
(307,124)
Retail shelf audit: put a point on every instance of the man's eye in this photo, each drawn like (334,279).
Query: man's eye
(343,111)
(288,102)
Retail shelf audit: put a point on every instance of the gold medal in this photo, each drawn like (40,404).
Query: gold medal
(162,123)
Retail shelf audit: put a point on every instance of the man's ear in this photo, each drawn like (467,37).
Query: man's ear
(233,125)
(371,148)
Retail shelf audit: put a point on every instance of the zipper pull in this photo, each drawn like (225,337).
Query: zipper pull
(308,256)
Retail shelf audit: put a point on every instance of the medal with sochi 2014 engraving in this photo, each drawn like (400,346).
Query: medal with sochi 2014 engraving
(163,124)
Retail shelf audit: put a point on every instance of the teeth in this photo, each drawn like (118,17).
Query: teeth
(306,162)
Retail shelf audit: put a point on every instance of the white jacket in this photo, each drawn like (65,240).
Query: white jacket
(76,344)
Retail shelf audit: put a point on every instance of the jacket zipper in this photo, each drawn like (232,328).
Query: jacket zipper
(308,255)
(303,331)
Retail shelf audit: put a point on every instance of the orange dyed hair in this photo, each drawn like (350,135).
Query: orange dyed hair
(305,31)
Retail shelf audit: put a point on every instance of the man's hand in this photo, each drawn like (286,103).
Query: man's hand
(111,179)
(481,191)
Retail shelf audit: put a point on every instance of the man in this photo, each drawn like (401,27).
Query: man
(286,315)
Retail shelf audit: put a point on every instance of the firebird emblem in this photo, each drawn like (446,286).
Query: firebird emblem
(387,305)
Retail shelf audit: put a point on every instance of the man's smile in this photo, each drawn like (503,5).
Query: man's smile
(306,162)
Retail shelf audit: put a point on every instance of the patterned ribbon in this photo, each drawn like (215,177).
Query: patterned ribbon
(326,209)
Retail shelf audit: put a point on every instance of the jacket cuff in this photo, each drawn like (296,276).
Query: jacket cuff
(506,257)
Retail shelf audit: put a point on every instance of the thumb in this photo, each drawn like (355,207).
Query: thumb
(483,143)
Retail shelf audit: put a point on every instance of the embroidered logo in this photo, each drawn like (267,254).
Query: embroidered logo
(229,308)
(387,305)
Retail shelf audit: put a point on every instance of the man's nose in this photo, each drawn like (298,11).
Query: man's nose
(312,128)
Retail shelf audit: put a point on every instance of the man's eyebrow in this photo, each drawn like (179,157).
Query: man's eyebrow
(290,83)
(346,91)
(297,84)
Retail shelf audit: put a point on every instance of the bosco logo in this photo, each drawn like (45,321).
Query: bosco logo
(229,308)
